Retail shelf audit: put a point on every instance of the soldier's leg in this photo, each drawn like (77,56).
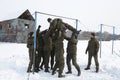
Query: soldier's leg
(89,60)
(76,65)
(55,67)
(43,60)
(61,67)
(47,61)
(39,57)
(68,60)
(29,67)
(31,61)
(37,61)
(96,63)
(52,58)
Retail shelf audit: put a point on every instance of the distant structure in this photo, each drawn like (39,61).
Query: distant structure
(17,29)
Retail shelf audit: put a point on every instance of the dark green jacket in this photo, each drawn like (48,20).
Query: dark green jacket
(93,46)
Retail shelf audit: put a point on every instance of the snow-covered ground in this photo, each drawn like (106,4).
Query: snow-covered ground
(14,61)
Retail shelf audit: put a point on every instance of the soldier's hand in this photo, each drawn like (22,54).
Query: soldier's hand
(78,31)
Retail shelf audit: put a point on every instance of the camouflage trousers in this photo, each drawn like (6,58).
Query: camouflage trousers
(74,62)
(95,59)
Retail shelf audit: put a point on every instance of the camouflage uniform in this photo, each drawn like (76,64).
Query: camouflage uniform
(93,47)
(30,46)
(71,53)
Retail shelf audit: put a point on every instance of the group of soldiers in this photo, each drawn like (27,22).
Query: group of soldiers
(50,49)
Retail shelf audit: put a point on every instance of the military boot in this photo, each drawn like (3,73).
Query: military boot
(79,73)
(60,75)
(46,70)
(97,70)
(37,70)
(53,72)
(69,72)
(87,68)
(28,71)
(41,67)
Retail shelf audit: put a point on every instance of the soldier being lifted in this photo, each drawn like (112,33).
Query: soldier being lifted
(56,24)
(92,49)
(30,46)
(71,53)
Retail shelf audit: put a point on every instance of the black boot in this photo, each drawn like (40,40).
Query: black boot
(97,70)
(87,68)
(53,72)
(79,73)
(37,70)
(69,72)
(28,71)
(46,70)
(41,67)
(61,76)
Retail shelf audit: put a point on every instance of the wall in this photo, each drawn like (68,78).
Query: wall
(14,30)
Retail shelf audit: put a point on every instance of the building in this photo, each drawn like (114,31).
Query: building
(17,29)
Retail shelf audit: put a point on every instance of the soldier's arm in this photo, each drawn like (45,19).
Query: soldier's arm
(97,46)
(67,38)
(70,27)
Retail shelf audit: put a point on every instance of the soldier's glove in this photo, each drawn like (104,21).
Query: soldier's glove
(78,31)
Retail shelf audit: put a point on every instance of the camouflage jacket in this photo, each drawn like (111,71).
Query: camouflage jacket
(93,46)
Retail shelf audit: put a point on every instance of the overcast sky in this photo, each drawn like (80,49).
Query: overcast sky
(90,12)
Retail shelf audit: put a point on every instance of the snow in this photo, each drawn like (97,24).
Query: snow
(14,61)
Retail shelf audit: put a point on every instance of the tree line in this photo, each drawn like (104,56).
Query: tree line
(106,36)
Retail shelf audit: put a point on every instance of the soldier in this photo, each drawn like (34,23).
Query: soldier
(38,50)
(59,54)
(71,53)
(92,49)
(30,46)
(42,34)
(47,49)
(53,45)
